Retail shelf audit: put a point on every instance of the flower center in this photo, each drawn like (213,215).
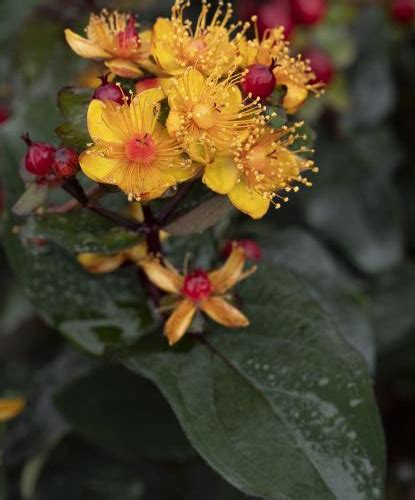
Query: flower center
(197,285)
(193,49)
(128,39)
(141,148)
(203,115)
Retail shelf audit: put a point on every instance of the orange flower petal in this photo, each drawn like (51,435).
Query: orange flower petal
(98,263)
(124,68)
(10,408)
(179,321)
(84,47)
(230,273)
(224,313)
(167,279)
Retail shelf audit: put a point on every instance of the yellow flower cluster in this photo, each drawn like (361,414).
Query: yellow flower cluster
(198,120)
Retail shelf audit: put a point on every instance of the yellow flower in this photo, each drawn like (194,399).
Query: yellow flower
(292,72)
(263,168)
(10,408)
(132,149)
(113,37)
(207,47)
(208,114)
(199,291)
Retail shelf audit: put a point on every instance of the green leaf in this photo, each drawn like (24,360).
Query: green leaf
(81,231)
(200,218)
(73,104)
(35,195)
(124,414)
(283,408)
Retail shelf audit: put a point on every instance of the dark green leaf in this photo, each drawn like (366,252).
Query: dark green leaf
(124,414)
(73,104)
(283,408)
(35,195)
(81,231)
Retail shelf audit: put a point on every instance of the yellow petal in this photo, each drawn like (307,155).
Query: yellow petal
(153,95)
(124,68)
(248,201)
(221,175)
(197,150)
(226,277)
(224,313)
(167,279)
(99,122)
(179,321)
(99,263)
(162,50)
(294,98)
(173,123)
(183,174)
(137,252)
(84,47)
(10,408)
(98,168)
(233,100)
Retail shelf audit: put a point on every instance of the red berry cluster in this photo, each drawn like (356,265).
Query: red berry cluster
(108,91)
(44,160)
(403,11)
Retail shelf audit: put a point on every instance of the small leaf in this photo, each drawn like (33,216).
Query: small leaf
(138,416)
(73,104)
(200,218)
(31,199)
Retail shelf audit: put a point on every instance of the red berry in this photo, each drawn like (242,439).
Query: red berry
(259,81)
(275,14)
(4,114)
(197,285)
(108,91)
(39,157)
(308,11)
(403,11)
(321,65)
(251,248)
(65,162)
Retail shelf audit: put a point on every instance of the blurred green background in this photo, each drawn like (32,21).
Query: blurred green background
(351,238)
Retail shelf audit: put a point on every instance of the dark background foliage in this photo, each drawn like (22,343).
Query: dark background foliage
(348,241)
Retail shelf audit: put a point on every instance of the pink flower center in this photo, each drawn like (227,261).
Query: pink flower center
(141,148)
(197,285)
(128,39)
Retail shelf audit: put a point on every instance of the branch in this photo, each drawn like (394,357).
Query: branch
(74,188)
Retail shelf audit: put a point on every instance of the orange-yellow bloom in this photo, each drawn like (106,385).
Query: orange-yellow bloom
(208,114)
(199,290)
(292,72)
(99,263)
(10,408)
(113,37)
(262,169)
(132,149)
(208,47)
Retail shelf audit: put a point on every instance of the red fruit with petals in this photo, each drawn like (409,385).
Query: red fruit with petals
(321,64)
(197,285)
(65,162)
(108,91)
(308,11)
(259,81)
(275,14)
(251,248)
(403,11)
(39,157)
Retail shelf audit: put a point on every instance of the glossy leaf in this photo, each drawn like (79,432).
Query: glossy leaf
(113,398)
(73,104)
(81,231)
(282,409)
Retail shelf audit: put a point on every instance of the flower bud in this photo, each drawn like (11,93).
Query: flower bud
(108,91)
(308,11)
(274,14)
(259,81)
(65,162)
(403,11)
(251,248)
(321,65)
(39,157)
